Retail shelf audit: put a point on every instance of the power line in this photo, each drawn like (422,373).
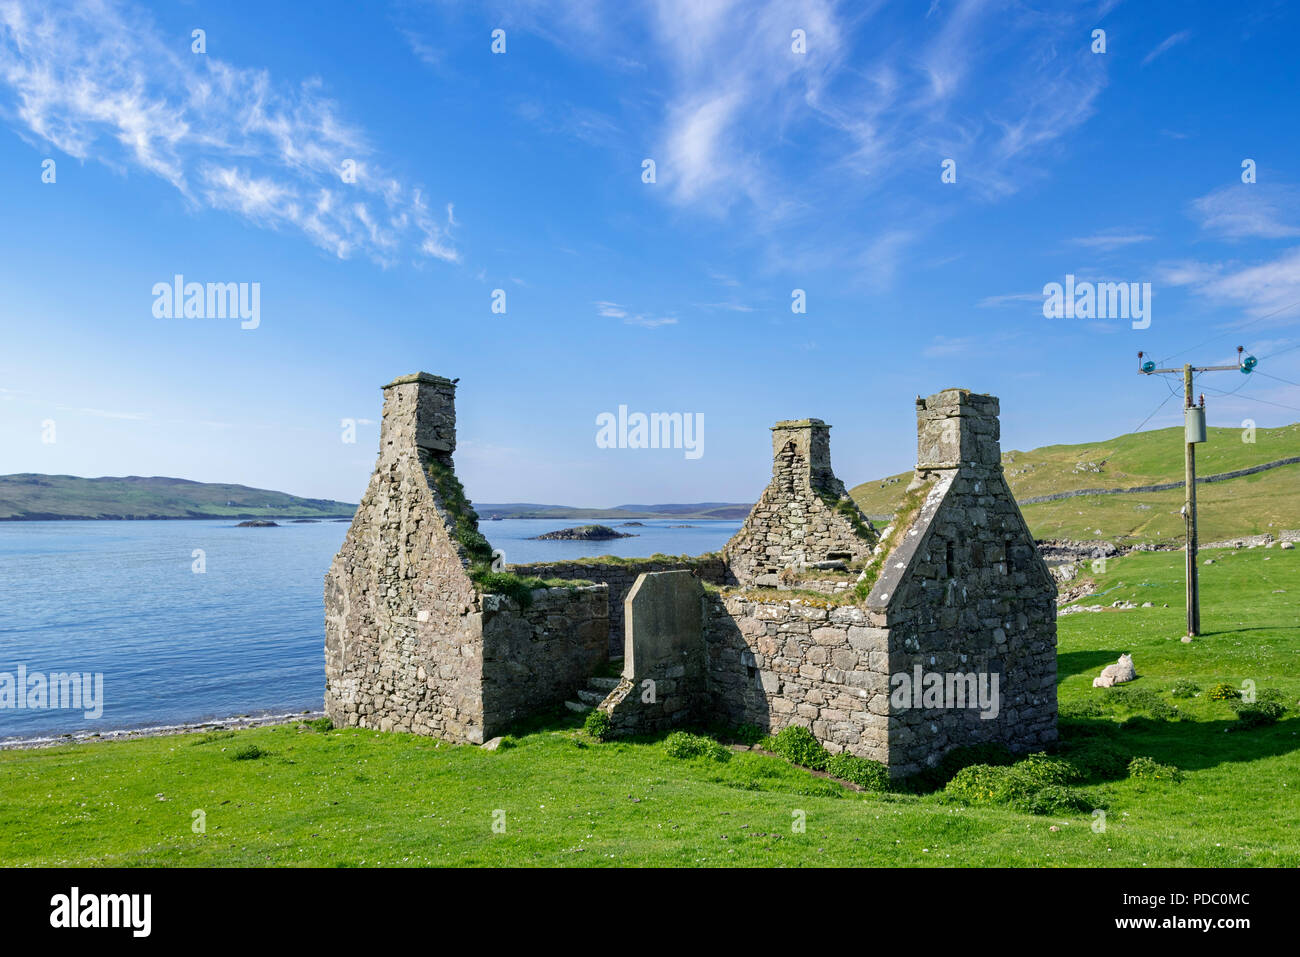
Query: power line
(1281,351)
(1278,378)
(1234,330)
(1165,402)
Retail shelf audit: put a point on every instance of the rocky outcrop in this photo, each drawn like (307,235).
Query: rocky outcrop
(583,533)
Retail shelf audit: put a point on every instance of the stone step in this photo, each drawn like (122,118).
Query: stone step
(602,684)
(592,698)
(577,706)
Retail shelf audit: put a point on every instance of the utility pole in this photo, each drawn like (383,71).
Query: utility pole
(1193,432)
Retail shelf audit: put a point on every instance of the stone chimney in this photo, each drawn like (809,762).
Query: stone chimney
(957,428)
(420,416)
(812,446)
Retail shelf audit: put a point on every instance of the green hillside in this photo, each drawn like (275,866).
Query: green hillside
(32,497)
(1248,505)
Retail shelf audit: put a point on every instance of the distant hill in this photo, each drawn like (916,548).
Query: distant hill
(1267,500)
(31,497)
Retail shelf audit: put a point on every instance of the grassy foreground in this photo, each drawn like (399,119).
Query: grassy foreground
(357,798)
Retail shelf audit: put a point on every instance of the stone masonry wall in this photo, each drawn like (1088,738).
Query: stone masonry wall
(620,577)
(539,655)
(803,516)
(781,663)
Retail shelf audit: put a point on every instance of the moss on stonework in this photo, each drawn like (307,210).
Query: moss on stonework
(475,549)
(802,596)
(846,507)
(473,546)
(519,588)
(656,559)
(908,510)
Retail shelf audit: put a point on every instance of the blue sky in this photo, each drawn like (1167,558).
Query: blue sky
(523,171)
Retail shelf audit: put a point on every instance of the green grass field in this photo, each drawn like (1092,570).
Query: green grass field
(359,798)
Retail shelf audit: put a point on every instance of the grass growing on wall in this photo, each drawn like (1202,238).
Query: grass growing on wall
(908,509)
(364,798)
(477,550)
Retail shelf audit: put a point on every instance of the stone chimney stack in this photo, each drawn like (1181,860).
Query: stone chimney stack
(419,415)
(812,445)
(957,428)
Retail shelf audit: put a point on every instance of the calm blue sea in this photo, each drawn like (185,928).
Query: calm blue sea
(244,637)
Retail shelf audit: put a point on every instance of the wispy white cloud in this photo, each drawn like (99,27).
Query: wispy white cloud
(1111,239)
(1250,211)
(97,81)
(105,413)
(1166,44)
(1258,290)
(989,302)
(613,310)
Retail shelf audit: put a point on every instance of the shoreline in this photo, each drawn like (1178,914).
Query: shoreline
(233,723)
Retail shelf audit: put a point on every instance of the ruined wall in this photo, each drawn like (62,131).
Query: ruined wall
(780,663)
(620,576)
(966,591)
(537,656)
(402,625)
(410,645)
(804,515)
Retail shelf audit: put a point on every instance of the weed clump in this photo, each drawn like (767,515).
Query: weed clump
(798,746)
(684,744)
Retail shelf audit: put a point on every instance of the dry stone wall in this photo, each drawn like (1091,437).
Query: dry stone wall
(780,663)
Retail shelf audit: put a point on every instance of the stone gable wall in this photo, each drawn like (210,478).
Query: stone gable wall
(795,520)
(966,591)
(403,648)
(410,644)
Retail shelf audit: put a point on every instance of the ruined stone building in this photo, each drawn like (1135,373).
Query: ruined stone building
(808,616)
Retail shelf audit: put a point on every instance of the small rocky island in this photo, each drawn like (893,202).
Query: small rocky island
(258,523)
(582,533)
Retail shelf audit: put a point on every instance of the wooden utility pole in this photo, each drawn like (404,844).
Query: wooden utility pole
(1189,508)
(1193,431)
